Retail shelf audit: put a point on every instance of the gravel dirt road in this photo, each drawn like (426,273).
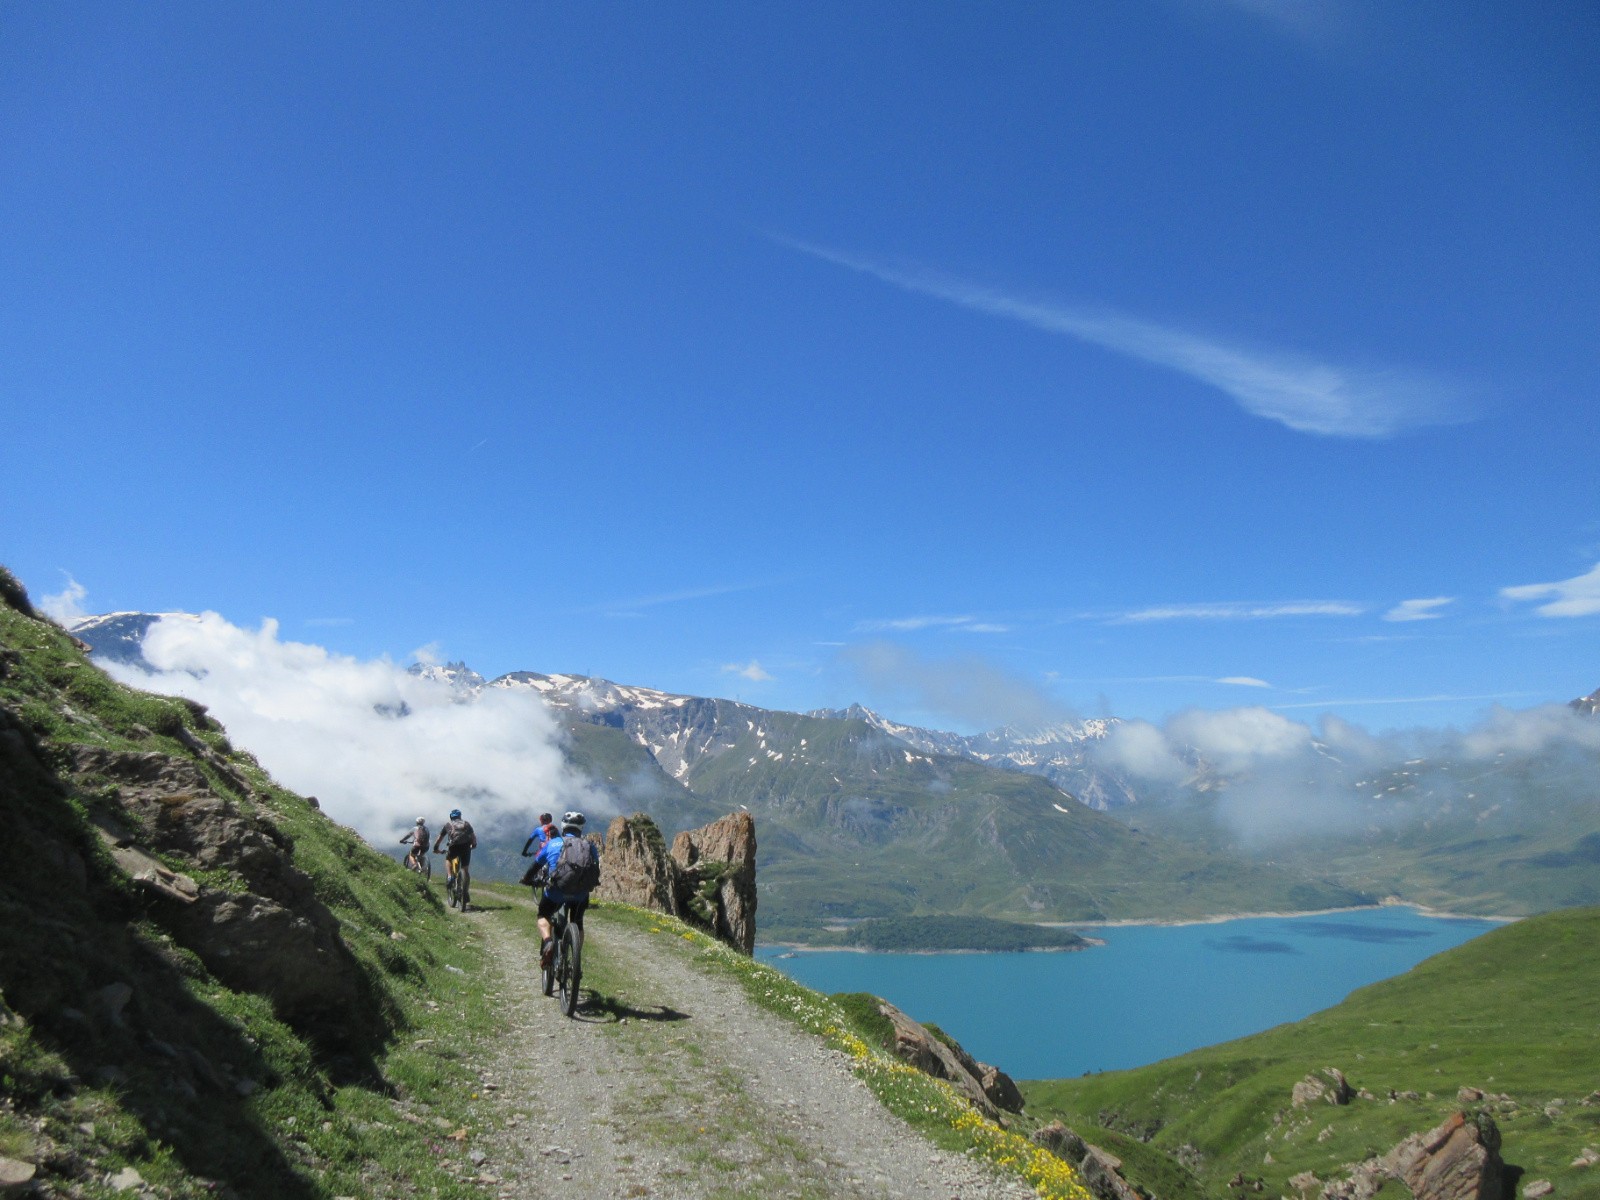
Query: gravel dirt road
(673,1085)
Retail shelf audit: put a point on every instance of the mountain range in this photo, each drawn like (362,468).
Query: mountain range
(860,816)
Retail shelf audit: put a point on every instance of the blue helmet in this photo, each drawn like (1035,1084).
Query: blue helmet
(455,814)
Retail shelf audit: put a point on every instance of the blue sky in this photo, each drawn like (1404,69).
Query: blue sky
(1121,351)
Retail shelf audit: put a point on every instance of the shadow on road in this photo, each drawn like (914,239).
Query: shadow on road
(600,1007)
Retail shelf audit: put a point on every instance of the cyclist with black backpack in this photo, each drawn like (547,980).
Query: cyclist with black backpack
(459,841)
(570,866)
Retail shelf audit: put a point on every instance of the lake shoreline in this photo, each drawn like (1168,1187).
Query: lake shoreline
(1147,922)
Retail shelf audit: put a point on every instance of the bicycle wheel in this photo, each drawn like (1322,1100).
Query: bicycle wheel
(548,971)
(452,888)
(464,877)
(571,967)
(426,869)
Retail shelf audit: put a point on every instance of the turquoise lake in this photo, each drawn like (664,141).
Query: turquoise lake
(1150,992)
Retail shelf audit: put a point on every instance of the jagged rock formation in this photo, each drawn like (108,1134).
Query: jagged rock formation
(1588,705)
(637,868)
(708,878)
(989,1088)
(1098,1170)
(1328,1086)
(1459,1160)
(717,866)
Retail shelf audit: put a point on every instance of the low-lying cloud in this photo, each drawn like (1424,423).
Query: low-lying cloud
(1272,778)
(376,745)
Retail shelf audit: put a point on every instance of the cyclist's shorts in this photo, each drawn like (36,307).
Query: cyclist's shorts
(460,855)
(547,908)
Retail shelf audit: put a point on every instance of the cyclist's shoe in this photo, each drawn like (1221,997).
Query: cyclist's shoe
(546,953)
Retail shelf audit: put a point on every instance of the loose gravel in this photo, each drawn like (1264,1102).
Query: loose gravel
(679,1087)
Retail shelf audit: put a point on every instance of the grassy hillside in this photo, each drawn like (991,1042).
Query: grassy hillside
(1515,1013)
(120,1048)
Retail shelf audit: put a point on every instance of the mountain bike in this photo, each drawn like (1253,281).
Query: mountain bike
(458,888)
(417,860)
(565,971)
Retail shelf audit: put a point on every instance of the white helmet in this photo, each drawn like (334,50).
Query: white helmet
(422,820)
(571,820)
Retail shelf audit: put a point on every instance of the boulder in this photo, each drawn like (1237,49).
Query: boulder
(1328,1085)
(1061,1141)
(1099,1170)
(990,1089)
(16,1176)
(717,881)
(1458,1160)
(1001,1089)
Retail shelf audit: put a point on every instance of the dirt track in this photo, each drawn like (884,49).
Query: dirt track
(680,1087)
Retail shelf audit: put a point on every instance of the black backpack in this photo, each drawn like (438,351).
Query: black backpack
(577,867)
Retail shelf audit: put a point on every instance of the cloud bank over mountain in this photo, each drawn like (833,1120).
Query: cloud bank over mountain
(378,746)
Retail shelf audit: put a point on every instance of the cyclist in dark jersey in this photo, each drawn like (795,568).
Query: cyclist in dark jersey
(458,836)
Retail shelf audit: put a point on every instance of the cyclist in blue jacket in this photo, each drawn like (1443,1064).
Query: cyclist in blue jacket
(542,833)
(549,854)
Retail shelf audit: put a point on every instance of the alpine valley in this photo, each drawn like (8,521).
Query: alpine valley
(860,817)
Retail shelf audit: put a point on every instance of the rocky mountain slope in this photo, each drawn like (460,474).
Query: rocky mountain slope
(864,817)
(1062,753)
(858,823)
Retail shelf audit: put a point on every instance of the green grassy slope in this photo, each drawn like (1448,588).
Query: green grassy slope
(1515,1013)
(204,1088)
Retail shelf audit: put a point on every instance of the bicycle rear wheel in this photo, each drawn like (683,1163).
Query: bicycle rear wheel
(426,869)
(464,878)
(571,966)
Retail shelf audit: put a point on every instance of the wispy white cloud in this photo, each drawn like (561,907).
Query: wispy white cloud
(959,624)
(1307,395)
(1419,610)
(632,608)
(67,604)
(1244,681)
(1377,700)
(1575,597)
(751,670)
(1244,611)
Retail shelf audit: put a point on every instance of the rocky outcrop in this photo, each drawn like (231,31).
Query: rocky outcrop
(1459,1160)
(989,1088)
(1328,1086)
(637,868)
(717,873)
(258,925)
(1098,1170)
(708,878)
